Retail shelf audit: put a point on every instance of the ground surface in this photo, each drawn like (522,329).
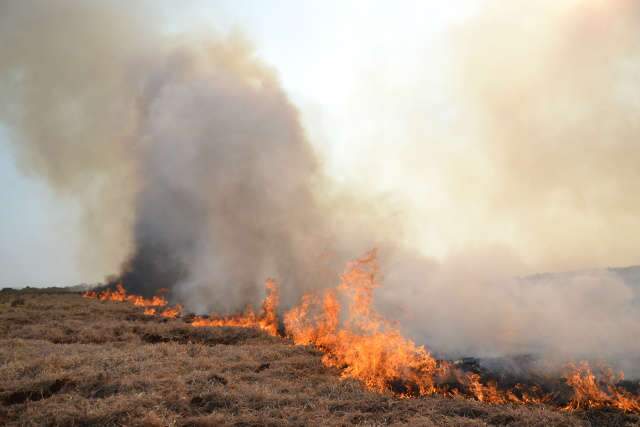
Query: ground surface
(66,360)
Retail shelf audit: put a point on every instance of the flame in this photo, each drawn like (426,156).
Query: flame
(356,339)
(591,392)
(90,294)
(171,312)
(155,301)
(365,346)
(267,320)
(151,304)
(120,294)
(372,349)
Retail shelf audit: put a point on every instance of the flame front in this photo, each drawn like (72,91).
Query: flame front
(371,349)
(155,301)
(152,304)
(120,295)
(267,320)
(592,392)
(356,339)
(366,346)
(172,312)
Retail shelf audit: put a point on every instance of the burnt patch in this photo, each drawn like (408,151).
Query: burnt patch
(609,417)
(141,317)
(104,391)
(206,335)
(40,391)
(632,387)
(404,387)
(262,367)
(154,338)
(502,420)
(189,317)
(212,401)
(215,378)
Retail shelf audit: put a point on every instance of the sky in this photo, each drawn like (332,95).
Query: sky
(37,244)
(382,104)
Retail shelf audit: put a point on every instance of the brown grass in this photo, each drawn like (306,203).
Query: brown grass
(69,361)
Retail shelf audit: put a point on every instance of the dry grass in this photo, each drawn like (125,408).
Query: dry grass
(65,360)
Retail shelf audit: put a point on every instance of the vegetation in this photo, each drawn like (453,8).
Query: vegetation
(71,361)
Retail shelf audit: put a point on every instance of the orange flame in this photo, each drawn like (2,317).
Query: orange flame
(366,346)
(267,320)
(151,304)
(369,348)
(90,294)
(155,301)
(172,312)
(591,392)
(120,294)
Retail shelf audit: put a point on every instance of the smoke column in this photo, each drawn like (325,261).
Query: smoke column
(194,173)
(184,152)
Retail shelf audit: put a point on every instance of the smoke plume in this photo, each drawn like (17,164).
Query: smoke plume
(184,152)
(547,93)
(195,174)
(550,90)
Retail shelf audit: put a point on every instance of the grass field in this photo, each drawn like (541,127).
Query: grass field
(69,361)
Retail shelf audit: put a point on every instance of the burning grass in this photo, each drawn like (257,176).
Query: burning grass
(366,347)
(267,320)
(65,360)
(371,349)
(113,358)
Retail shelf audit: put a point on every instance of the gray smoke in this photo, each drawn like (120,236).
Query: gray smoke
(472,305)
(187,156)
(227,180)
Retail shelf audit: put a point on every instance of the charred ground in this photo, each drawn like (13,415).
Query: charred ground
(66,360)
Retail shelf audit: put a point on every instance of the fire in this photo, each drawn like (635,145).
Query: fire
(366,346)
(356,339)
(155,301)
(172,312)
(151,304)
(120,294)
(371,349)
(593,392)
(267,320)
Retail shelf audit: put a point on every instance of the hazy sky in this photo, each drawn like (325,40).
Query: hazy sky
(382,89)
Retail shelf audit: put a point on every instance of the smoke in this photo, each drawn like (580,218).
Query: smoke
(66,103)
(472,305)
(195,174)
(550,89)
(547,93)
(228,182)
(186,155)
